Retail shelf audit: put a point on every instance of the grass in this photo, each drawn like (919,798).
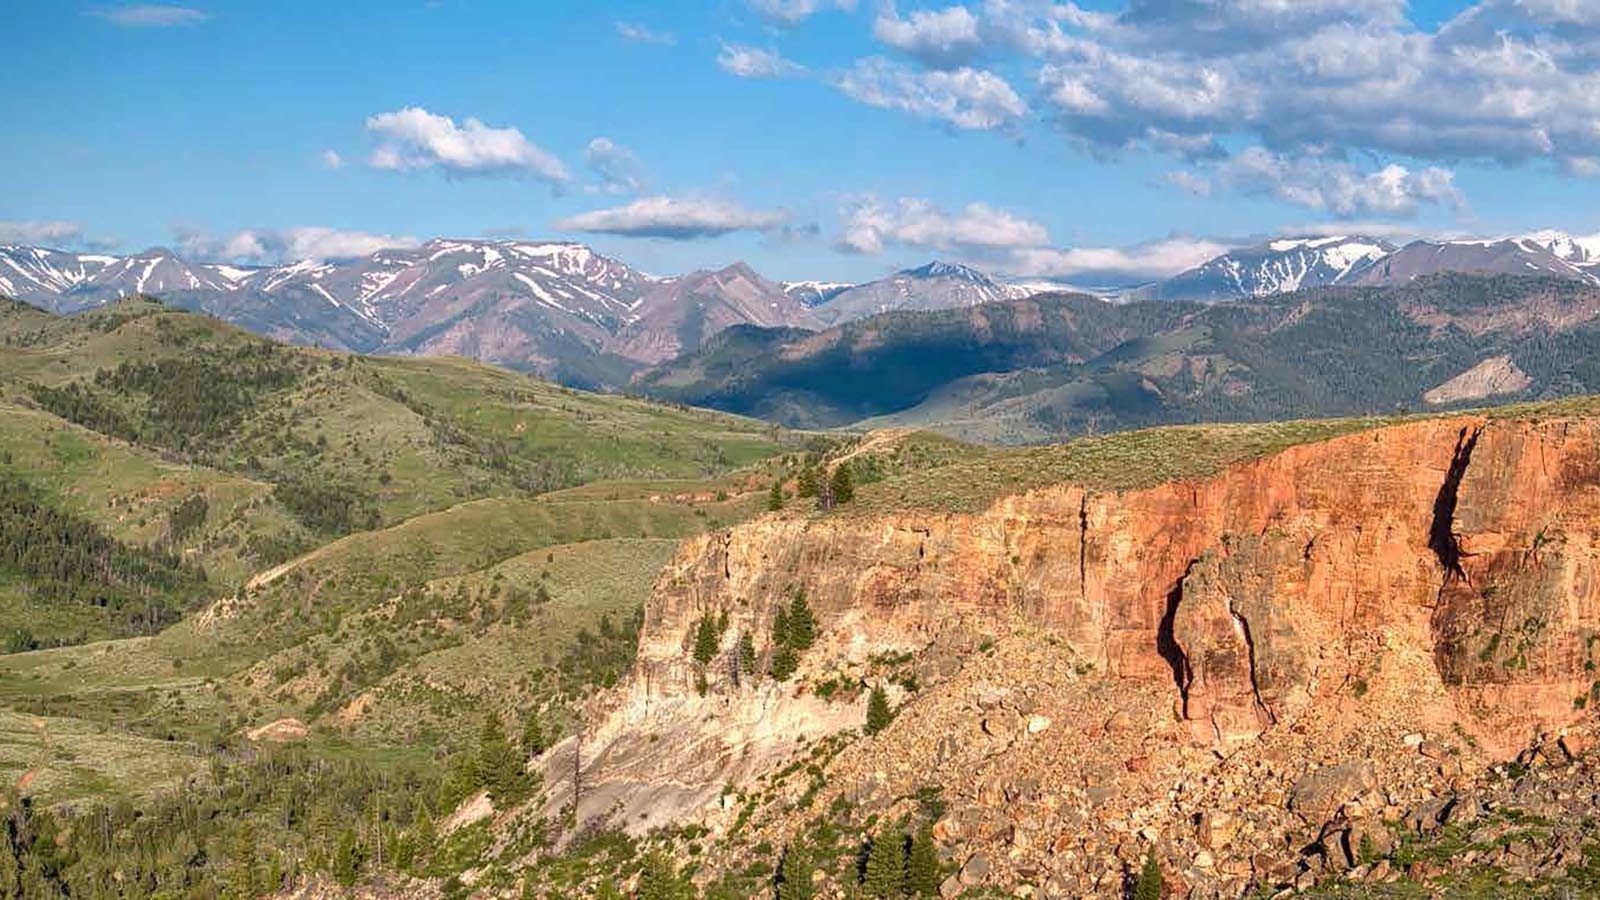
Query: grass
(62,760)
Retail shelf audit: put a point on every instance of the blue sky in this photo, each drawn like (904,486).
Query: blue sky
(812,138)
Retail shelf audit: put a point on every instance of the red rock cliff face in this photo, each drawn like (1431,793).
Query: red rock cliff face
(1471,541)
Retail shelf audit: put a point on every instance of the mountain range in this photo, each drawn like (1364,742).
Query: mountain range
(1050,365)
(566,312)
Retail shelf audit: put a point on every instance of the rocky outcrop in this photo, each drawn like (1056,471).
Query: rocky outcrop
(1454,559)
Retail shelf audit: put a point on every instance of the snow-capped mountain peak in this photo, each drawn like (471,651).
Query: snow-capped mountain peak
(1275,267)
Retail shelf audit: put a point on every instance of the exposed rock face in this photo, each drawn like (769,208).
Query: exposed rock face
(1493,377)
(1454,558)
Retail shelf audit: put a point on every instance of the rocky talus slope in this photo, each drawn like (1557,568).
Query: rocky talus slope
(1260,675)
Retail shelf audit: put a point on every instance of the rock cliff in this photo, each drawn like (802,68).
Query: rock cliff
(1434,577)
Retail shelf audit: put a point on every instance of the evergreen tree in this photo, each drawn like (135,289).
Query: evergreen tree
(802,630)
(780,627)
(775,496)
(347,859)
(500,767)
(842,483)
(794,878)
(879,715)
(747,654)
(784,662)
(885,871)
(534,741)
(1148,887)
(423,834)
(659,880)
(805,483)
(922,865)
(705,641)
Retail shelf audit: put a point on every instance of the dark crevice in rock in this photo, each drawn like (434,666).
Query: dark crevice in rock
(1250,648)
(1167,645)
(1441,534)
(1083,551)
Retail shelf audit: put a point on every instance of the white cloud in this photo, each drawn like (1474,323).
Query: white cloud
(753,62)
(869,226)
(1157,259)
(272,245)
(414,138)
(788,13)
(1338,186)
(944,38)
(40,232)
(673,218)
(150,15)
(619,169)
(641,34)
(965,98)
(331,159)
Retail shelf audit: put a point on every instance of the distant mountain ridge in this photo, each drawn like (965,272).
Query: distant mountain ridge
(567,312)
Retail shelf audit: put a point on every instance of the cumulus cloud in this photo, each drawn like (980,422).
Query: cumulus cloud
(788,13)
(1142,262)
(966,98)
(618,168)
(414,138)
(1338,186)
(1504,81)
(673,218)
(943,38)
(869,226)
(150,15)
(41,232)
(274,245)
(753,62)
(641,34)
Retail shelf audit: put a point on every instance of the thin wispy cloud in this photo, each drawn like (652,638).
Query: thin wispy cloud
(966,98)
(617,167)
(643,34)
(414,138)
(789,13)
(673,218)
(282,245)
(40,232)
(150,15)
(754,62)
(1141,262)
(331,159)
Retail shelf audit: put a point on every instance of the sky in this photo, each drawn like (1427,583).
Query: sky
(813,139)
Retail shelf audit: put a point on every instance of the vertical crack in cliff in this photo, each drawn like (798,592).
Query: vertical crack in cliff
(1243,625)
(1441,535)
(1083,551)
(1167,643)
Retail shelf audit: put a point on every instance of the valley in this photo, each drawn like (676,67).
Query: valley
(288,621)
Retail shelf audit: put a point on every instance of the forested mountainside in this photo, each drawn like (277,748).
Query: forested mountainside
(1036,369)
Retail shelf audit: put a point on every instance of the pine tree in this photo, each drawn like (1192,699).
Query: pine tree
(534,741)
(423,835)
(775,496)
(659,880)
(780,627)
(705,641)
(500,766)
(802,630)
(922,865)
(842,483)
(805,483)
(795,872)
(747,653)
(879,715)
(347,859)
(886,864)
(784,662)
(1148,887)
